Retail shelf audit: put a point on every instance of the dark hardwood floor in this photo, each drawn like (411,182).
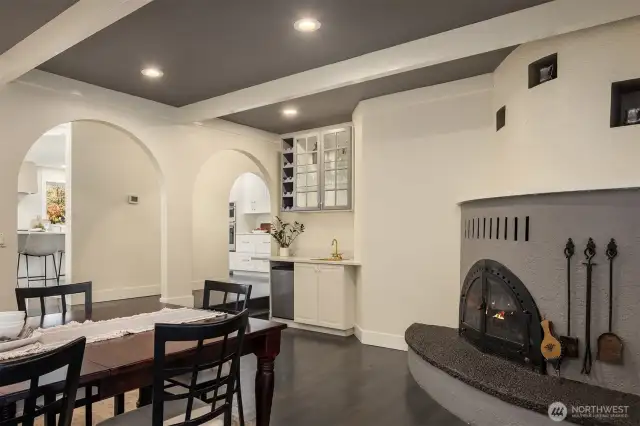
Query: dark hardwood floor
(324,380)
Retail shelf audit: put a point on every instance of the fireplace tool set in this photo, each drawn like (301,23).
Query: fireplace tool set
(610,345)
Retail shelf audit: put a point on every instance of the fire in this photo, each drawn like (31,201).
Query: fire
(499,315)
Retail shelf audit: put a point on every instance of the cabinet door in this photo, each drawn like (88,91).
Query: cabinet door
(263,245)
(336,169)
(244,244)
(307,173)
(305,293)
(332,309)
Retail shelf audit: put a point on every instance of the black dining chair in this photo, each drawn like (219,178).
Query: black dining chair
(85,396)
(186,408)
(32,370)
(22,294)
(226,292)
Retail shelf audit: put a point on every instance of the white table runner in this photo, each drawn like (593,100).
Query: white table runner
(51,338)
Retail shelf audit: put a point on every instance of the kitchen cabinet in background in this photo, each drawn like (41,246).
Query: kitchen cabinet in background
(255,197)
(247,246)
(324,295)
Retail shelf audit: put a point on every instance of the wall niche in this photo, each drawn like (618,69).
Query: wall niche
(543,70)
(625,103)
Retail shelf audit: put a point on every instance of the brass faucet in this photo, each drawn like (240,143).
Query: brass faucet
(335,254)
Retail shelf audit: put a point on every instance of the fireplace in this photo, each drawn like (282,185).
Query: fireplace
(499,316)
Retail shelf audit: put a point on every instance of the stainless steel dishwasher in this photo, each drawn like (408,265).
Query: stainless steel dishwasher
(282,290)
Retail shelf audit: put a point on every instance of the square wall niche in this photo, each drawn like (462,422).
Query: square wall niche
(543,70)
(625,103)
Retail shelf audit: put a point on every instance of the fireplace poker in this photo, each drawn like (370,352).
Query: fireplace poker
(570,344)
(589,254)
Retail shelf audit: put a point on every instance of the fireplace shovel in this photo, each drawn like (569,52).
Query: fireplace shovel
(610,344)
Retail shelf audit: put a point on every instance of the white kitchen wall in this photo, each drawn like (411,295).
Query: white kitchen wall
(321,228)
(31,206)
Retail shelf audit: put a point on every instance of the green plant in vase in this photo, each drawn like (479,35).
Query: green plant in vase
(285,234)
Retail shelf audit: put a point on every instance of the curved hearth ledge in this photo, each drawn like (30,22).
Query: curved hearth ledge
(486,390)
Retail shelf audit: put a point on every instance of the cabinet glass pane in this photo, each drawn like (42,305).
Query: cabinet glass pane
(342,157)
(329,198)
(301,200)
(330,180)
(342,198)
(343,138)
(342,179)
(312,162)
(312,199)
(330,141)
(301,180)
(329,156)
(302,169)
(301,145)
(312,179)
(302,159)
(312,143)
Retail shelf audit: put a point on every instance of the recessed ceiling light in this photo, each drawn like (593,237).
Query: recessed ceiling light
(307,25)
(152,72)
(289,112)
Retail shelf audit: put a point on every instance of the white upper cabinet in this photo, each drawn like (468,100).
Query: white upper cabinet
(317,170)
(28,178)
(255,196)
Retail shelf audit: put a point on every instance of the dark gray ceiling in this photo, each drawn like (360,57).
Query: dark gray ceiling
(211,47)
(19,18)
(336,106)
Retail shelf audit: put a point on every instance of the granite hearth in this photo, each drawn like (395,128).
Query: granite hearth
(508,382)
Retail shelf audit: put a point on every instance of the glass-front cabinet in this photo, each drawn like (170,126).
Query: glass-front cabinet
(317,170)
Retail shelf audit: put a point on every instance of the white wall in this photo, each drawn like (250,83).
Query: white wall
(41,101)
(115,245)
(320,230)
(438,146)
(31,206)
(431,144)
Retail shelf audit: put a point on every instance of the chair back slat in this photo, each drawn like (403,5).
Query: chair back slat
(22,294)
(231,332)
(32,369)
(228,304)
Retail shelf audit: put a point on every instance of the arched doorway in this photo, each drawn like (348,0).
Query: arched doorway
(211,198)
(109,215)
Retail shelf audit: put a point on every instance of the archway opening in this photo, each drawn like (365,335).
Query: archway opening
(103,207)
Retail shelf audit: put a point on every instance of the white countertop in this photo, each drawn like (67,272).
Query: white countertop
(40,233)
(346,262)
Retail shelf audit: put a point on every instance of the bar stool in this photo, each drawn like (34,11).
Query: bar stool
(39,245)
(61,253)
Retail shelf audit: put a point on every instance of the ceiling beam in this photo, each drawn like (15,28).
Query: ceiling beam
(78,22)
(547,20)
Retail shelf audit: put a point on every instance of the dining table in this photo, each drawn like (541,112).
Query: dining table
(112,367)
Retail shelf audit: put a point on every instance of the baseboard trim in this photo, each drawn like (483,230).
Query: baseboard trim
(315,328)
(383,340)
(109,294)
(187,300)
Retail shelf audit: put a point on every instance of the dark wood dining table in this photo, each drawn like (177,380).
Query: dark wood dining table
(123,364)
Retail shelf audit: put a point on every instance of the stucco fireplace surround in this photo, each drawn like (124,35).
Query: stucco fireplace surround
(513,274)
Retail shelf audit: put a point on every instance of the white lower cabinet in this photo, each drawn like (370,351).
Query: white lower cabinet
(324,295)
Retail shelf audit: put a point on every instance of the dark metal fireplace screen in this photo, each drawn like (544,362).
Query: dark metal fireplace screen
(499,316)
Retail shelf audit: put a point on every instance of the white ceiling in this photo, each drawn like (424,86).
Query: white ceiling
(50,149)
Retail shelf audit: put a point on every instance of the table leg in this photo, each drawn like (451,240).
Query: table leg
(145,395)
(118,404)
(266,353)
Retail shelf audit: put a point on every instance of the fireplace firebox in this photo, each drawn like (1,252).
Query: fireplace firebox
(499,316)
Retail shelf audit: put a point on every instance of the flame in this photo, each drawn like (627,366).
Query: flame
(499,315)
